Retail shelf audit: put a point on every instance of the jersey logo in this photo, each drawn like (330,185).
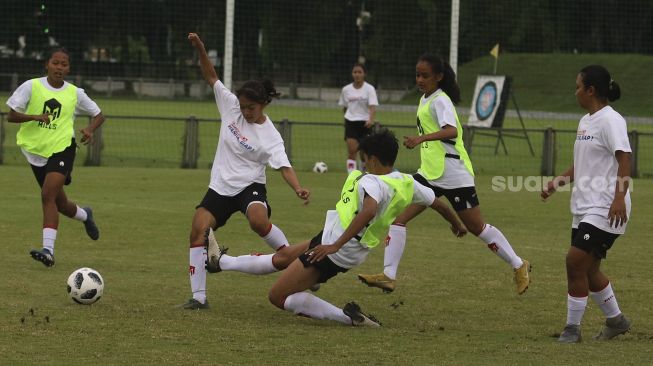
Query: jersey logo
(53,107)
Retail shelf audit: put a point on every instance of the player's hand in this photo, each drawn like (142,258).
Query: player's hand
(412,141)
(87,136)
(459,231)
(548,191)
(617,215)
(45,118)
(195,40)
(304,194)
(369,124)
(320,252)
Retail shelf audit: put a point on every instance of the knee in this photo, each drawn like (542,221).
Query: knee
(276,298)
(281,260)
(48,197)
(261,227)
(574,267)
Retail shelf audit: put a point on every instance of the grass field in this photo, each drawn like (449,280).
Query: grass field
(455,303)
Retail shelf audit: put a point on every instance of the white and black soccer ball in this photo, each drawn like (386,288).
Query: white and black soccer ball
(85,286)
(320,167)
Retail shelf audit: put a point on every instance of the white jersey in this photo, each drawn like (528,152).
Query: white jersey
(455,173)
(21,97)
(358,101)
(353,252)
(599,136)
(244,149)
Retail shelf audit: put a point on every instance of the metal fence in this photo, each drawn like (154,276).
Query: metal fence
(190,142)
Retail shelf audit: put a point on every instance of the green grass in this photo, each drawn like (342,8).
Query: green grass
(457,303)
(546,82)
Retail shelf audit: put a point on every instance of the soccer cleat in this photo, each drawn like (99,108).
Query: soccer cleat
(193,304)
(613,327)
(44,256)
(353,311)
(380,280)
(571,334)
(522,279)
(213,252)
(91,229)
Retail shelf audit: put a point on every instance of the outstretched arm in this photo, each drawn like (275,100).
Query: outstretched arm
(288,174)
(447,213)
(208,70)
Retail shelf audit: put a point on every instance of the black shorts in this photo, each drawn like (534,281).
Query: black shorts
(326,267)
(592,240)
(356,130)
(222,207)
(460,198)
(61,162)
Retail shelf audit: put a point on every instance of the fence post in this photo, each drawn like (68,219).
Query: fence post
(109,86)
(191,150)
(285,130)
(171,85)
(2,138)
(376,128)
(548,153)
(94,149)
(633,136)
(14,81)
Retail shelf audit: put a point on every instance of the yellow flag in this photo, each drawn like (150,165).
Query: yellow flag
(495,51)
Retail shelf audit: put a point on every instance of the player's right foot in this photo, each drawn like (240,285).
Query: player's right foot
(380,280)
(91,229)
(614,327)
(522,278)
(571,334)
(213,252)
(358,318)
(193,304)
(44,256)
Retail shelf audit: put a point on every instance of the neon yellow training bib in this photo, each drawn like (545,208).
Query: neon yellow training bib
(46,139)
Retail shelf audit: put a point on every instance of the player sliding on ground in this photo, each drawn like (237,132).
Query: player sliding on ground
(447,170)
(46,108)
(248,142)
(368,205)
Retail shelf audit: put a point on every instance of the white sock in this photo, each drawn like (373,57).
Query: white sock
(252,264)
(394,250)
(500,245)
(304,303)
(275,238)
(80,215)
(606,300)
(197,273)
(575,309)
(351,165)
(49,236)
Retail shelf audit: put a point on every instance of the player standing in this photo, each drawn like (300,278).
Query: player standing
(600,202)
(359,103)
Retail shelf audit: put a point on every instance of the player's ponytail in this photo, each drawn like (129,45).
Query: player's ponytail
(259,91)
(448,83)
(599,77)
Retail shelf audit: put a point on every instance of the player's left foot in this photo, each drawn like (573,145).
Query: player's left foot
(614,327)
(44,256)
(91,229)
(380,280)
(193,304)
(358,318)
(522,278)
(571,334)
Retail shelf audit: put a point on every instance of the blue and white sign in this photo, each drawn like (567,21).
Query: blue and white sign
(487,97)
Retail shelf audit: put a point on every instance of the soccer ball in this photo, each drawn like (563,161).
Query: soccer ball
(320,167)
(85,286)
